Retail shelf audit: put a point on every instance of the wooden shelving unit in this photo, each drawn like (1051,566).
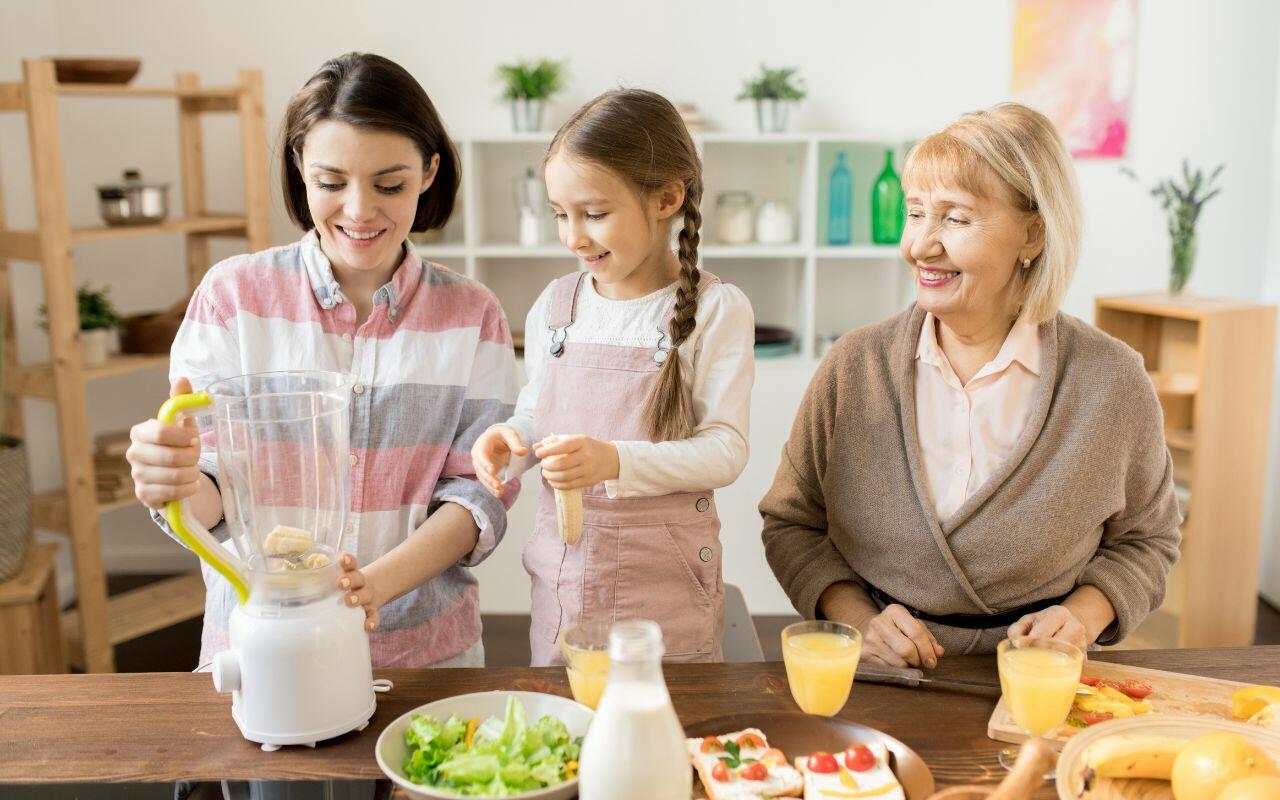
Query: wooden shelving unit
(98,623)
(1211,362)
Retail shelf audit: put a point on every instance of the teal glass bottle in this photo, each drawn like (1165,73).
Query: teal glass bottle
(887,208)
(840,204)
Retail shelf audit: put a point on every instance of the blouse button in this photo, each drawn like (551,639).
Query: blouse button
(705,554)
(358,388)
(354,459)
(703,504)
(346,337)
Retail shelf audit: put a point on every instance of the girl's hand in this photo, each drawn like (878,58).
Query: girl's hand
(492,452)
(572,462)
(896,638)
(1054,622)
(360,591)
(164,457)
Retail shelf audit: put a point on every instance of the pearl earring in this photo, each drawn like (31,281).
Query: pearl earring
(1026,263)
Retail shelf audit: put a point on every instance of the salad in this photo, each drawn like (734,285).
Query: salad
(497,757)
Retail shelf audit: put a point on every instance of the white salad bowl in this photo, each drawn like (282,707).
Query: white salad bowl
(391,750)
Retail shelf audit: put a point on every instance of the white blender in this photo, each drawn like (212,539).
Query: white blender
(298,667)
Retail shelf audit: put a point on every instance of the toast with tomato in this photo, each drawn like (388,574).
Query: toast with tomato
(861,771)
(742,766)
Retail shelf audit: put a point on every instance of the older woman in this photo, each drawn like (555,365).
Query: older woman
(981,465)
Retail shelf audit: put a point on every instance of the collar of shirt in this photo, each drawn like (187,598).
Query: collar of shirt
(1021,345)
(396,293)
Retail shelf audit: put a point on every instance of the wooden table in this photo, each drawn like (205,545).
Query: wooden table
(173,726)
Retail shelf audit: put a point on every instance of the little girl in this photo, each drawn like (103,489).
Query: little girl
(642,367)
(366,161)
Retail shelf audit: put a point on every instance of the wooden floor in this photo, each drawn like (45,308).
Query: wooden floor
(506,637)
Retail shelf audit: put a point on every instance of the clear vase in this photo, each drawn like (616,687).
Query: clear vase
(1182,256)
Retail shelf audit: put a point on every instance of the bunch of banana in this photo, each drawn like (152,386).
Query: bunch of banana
(568,507)
(1131,755)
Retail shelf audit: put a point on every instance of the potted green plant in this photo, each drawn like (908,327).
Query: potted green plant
(527,85)
(1182,203)
(775,92)
(15,492)
(98,324)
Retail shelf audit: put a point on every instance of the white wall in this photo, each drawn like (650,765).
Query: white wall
(1206,87)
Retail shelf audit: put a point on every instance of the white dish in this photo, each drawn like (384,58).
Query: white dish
(1071,762)
(391,750)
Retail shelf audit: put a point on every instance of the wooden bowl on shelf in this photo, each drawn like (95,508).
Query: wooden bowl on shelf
(96,70)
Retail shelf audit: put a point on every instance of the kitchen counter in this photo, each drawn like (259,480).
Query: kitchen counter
(161,728)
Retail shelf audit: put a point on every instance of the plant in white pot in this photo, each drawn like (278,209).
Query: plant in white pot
(98,324)
(775,92)
(527,86)
(15,492)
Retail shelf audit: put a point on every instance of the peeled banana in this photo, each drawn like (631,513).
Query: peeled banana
(284,541)
(568,508)
(1134,756)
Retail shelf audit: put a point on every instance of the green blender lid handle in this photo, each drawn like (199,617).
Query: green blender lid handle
(185,525)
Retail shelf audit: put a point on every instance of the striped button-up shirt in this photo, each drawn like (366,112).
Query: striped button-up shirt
(432,368)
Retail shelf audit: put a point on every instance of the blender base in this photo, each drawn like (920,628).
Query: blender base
(272,741)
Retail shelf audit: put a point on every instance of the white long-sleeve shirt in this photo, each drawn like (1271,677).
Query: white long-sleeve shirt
(718,364)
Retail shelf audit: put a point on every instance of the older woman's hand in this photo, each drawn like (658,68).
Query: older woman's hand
(1054,622)
(896,638)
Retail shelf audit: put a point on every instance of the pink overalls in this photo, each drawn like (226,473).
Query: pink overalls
(654,558)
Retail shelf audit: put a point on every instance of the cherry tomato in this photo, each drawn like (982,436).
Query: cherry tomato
(774,757)
(1135,689)
(1089,680)
(1094,719)
(859,758)
(711,744)
(755,771)
(720,772)
(822,763)
(749,740)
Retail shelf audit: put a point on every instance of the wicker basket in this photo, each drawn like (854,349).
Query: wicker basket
(15,507)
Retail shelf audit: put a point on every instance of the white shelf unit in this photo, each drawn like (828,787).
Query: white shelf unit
(815,289)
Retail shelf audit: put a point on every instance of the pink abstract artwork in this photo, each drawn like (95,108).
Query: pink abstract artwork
(1075,62)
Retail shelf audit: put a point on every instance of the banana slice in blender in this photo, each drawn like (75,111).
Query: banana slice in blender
(284,541)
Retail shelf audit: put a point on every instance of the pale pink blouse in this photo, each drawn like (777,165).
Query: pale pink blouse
(966,431)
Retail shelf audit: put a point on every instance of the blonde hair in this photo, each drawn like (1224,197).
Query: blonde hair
(1023,152)
(639,136)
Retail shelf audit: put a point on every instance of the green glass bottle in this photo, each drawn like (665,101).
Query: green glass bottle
(887,208)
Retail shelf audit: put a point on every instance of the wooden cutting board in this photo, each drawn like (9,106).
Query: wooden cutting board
(1173,693)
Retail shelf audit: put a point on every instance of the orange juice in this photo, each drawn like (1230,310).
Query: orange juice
(820,665)
(588,672)
(1039,685)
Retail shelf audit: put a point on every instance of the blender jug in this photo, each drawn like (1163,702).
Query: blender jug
(298,664)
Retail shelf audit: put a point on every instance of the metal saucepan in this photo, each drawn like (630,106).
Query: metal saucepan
(133,202)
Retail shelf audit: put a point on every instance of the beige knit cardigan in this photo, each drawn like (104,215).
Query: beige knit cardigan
(1086,498)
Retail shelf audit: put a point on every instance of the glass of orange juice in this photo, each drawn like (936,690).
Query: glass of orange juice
(1038,678)
(586,657)
(821,658)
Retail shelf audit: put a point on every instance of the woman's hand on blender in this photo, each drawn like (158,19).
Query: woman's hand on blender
(359,592)
(164,457)
(492,452)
